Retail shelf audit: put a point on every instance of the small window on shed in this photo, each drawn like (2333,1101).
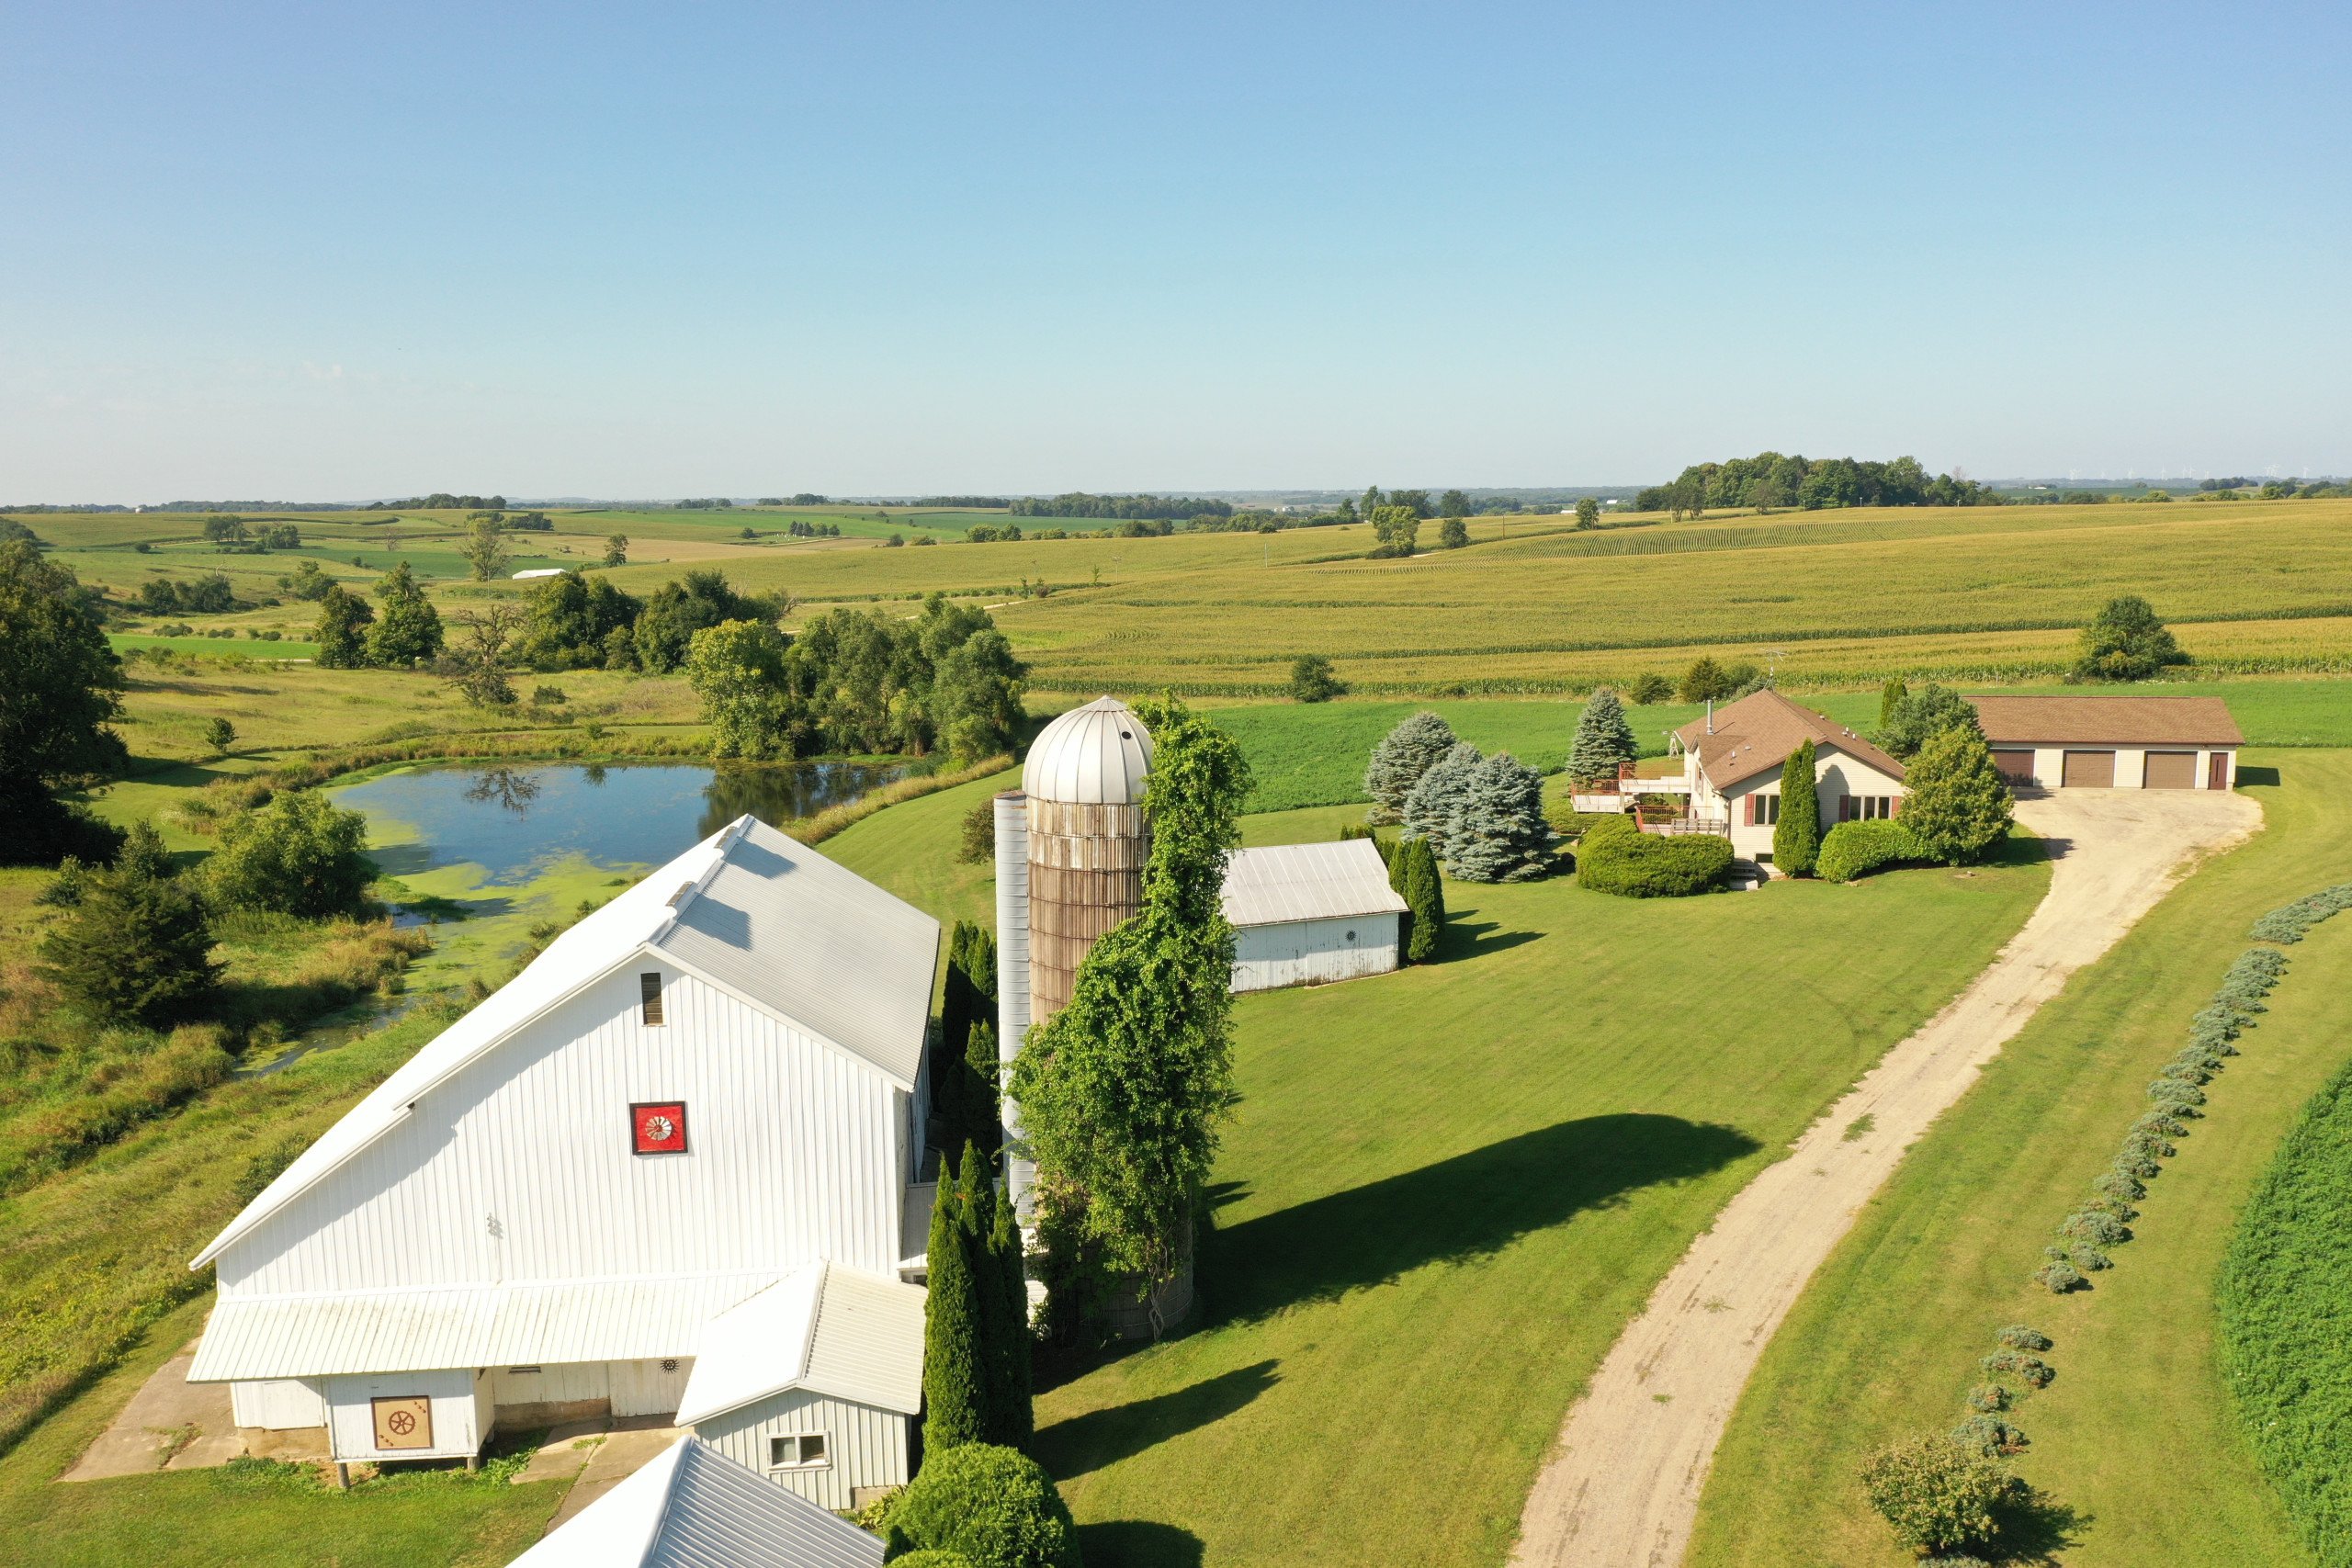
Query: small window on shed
(649,990)
(799,1450)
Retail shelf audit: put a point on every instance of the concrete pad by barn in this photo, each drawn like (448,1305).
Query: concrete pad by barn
(563,1453)
(170,1424)
(632,1443)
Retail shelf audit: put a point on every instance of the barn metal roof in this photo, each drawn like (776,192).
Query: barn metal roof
(638,1319)
(826,1330)
(751,910)
(2108,721)
(691,1507)
(1308,882)
(1096,755)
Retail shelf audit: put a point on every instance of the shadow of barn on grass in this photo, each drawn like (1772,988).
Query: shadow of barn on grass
(1101,1437)
(1455,1211)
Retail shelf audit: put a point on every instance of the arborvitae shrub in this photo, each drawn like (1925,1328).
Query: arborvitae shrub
(995,1507)
(1852,848)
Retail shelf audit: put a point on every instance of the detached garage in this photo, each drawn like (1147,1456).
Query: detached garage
(2112,742)
(1304,914)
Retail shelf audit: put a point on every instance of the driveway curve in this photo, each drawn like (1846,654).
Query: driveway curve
(1622,1489)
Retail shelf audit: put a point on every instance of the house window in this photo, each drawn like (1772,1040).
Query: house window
(1768,810)
(649,990)
(1866,808)
(799,1450)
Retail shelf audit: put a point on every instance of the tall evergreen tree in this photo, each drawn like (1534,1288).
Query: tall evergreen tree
(1407,751)
(1603,741)
(1496,830)
(1890,696)
(341,634)
(1796,837)
(955,1351)
(134,947)
(1424,894)
(983,1079)
(1430,810)
(994,1238)
(410,628)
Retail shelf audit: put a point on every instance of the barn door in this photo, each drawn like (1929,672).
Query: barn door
(650,1388)
(2090,770)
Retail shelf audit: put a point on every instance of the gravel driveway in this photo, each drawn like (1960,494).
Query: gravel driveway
(1622,1489)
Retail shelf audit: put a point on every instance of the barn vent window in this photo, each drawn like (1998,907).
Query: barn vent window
(801,1451)
(649,990)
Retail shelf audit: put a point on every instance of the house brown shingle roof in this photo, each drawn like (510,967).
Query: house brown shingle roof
(1757,733)
(2108,721)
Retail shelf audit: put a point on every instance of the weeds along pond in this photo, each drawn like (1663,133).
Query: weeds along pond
(516,821)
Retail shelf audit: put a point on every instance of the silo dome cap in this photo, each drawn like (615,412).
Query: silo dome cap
(1096,755)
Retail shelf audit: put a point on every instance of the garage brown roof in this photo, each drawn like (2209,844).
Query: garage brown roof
(1757,733)
(2108,721)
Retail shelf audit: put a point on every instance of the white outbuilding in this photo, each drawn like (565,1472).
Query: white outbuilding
(1304,914)
(702,1107)
(694,1507)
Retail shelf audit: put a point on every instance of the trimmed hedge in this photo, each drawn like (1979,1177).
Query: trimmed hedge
(1617,857)
(1854,847)
(2286,1305)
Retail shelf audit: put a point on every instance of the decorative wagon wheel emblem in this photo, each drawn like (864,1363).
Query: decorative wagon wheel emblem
(401,1422)
(659,1129)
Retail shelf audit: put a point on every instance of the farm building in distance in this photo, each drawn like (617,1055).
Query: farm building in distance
(692,1507)
(672,1163)
(2118,742)
(1731,770)
(1307,913)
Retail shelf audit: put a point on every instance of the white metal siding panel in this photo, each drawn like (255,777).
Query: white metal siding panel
(642,1388)
(279,1404)
(1313,952)
(520,1168)
(868,1445)
(351,1426)
(555,1382)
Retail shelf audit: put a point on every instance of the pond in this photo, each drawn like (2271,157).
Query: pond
(515,820)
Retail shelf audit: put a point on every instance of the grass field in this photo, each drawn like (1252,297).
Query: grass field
(1446,1188)
(2137,1438)
(1534,605)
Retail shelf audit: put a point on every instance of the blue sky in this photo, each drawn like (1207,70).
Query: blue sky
(335,252)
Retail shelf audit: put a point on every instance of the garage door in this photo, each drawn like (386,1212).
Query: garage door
(2016,766)
(2090,770)
(2172,770)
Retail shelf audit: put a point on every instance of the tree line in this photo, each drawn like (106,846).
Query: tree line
(1078,504)
(1768,480)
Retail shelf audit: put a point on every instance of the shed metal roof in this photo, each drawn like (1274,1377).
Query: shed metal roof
(751,910)
(826,1330)
(691,1507)
(1308,882)
(637,1319)
(1096,755)
(2108,721)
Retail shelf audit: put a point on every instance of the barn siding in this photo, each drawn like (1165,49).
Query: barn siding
(1302,952)
(457,1394)
(520,1167)
(278,1405)
(868,1445)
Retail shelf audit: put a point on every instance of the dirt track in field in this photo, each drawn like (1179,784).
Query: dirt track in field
(1622,1489)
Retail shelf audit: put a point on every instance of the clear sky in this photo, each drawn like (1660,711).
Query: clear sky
(335,251)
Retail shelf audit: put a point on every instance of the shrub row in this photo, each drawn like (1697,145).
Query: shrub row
(1854,847)
(2104,1222)
(2292,924)
(1614,856)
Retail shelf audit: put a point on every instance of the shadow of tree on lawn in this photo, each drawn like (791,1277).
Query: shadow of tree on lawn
(1104,1437)
(2035,1527)
(1139,1543)
(1467,1207)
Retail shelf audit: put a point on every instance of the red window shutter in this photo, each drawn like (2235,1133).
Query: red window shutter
(1748,806)
(1895,806)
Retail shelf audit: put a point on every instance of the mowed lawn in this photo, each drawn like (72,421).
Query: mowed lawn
(1446,1189)
(2136,1441)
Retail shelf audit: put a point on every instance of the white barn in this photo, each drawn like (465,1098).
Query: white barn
(694,1507)
(703,1105)
(1304,914)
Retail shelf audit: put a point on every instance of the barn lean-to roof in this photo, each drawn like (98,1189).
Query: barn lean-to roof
(1755,734)
(691,1507)
(752,911)
(825,1329)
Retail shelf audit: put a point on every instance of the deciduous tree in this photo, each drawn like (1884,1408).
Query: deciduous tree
(2125,641)
(737,668)
(1916,716)
(1956,806)
(409,631)
(1311,680)
(341,632)
(1588,512)
(61,685)
(299,854)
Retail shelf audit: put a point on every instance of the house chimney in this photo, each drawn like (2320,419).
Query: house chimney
(1711,715)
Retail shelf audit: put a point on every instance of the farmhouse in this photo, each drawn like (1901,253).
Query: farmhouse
(670,1167)
(2112,742)
(694,1507)
(1306,913)
(1731,770)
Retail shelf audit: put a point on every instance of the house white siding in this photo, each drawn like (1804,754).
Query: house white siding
(865,1447)
(521,1165)
(1305,953)
(1835,776)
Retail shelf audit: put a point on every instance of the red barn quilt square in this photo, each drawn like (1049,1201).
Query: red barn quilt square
(659,1128)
